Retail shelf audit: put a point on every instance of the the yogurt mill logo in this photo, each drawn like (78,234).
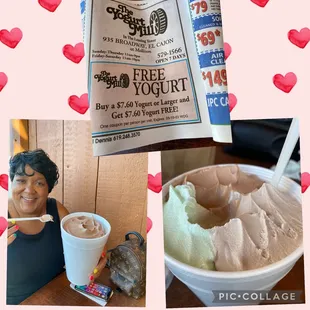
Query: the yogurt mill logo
(113,81)
(158,21)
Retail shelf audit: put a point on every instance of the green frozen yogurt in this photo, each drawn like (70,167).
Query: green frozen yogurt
(186,240)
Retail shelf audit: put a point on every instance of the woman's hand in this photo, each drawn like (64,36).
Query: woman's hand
(11,233)
(102,262)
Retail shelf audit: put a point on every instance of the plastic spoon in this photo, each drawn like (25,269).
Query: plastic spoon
(44,218)
(286,152)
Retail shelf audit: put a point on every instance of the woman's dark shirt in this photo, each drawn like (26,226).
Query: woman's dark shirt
(34,260)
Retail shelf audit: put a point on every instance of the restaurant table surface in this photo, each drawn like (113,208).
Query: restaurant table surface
(59,293)
(179,295)
(173,145)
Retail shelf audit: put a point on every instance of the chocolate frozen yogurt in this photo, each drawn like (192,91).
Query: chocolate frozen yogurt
(223,219)
(83,227)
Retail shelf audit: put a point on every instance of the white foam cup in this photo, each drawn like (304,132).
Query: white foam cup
(203,282)
(82,255)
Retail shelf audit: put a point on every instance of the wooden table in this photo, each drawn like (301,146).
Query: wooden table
(174,145)
(179,296)
(59,293)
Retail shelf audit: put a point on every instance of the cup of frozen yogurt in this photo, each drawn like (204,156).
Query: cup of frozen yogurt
(226,228)
(84,236)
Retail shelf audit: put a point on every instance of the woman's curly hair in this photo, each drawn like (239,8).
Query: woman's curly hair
(39,161)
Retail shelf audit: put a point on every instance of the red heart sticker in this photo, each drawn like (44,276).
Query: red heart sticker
(285,83)
(4,180)
(11,38)
(3,80)
(227,50)
(232,101)
(261,3)
(154,183)
(149,224)
(79,104)
(3,225)
(299,38)
(305,181)
(50,5)
(75,54)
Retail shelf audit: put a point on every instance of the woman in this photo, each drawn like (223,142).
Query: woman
(35,252)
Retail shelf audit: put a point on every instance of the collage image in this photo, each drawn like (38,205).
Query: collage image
(229,223)
(147,161)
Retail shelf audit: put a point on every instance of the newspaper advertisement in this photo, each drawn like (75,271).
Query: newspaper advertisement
(145,81)
(208,34)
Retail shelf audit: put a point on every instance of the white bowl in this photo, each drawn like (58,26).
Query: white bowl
(202,282)
(168,276)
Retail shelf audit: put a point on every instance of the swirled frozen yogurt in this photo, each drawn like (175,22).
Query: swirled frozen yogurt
(83,227)
(223,219)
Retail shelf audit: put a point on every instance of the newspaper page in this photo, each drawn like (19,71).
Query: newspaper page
(144,79)
(207,28)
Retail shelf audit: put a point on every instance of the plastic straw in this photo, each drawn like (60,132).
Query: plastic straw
(287,150)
